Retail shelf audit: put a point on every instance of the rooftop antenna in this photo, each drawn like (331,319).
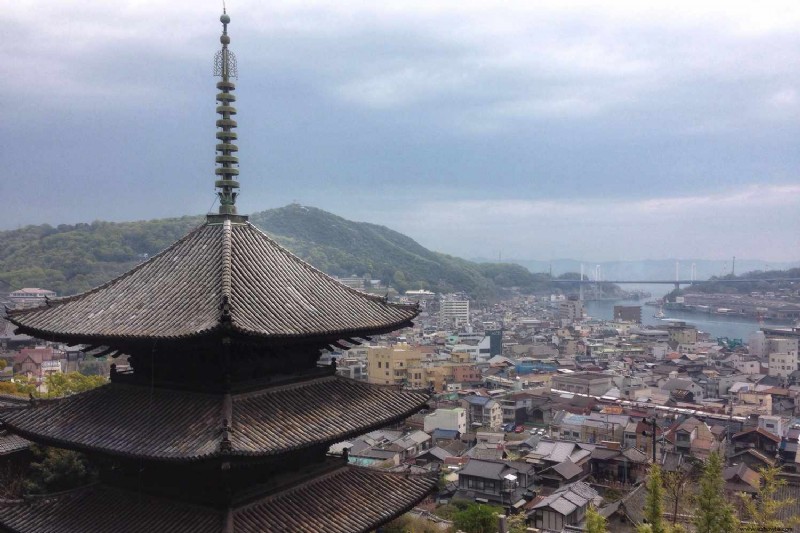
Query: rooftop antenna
(227,170)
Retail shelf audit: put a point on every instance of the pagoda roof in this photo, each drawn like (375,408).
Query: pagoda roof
(226,275)
(347,500)
(162,424)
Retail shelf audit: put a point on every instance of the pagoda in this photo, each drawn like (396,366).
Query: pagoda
(224,421)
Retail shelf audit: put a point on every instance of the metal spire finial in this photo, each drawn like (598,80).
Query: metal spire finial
(227,163)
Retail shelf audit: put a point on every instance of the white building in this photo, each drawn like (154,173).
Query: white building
(30,297)
(782,364)
(453,311)
(448,419)
(783,358)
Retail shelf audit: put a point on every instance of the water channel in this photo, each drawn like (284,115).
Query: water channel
(715,325)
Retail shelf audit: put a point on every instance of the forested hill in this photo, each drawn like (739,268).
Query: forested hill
(713,285)
(73,258)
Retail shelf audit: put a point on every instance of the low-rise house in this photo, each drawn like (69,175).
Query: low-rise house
(753,402)
(549,452)
(693,437)
(758,439)
(483,411)
(561,474)
(410,445)
(433,456)
(592,383)
(569,426)
(29,360)
(625,466)
(753,458)
(444,436)
(501,482)
(684,390)
(565,507)
(628,513)
(600,427)
(741,478)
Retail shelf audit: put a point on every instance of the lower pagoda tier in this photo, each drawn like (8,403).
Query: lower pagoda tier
(347,499)
(160,424)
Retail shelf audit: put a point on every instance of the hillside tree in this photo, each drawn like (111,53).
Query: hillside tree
(713,513)
(763,512)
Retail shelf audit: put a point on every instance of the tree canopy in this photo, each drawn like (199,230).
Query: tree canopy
(713,513)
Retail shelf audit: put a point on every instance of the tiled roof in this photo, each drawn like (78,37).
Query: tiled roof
(758,431)
(218,273)
(742,473)
(8,401)
(167,424)
(569,498)
(568,470)
(10,443)
(484,469)
(349,500)
(633,504)
(790,492)
(603,454)
(635,455)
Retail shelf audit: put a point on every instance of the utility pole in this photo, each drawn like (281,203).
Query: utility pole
(654,440)
(653,431)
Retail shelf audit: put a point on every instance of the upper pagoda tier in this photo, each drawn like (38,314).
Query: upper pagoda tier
(223,279)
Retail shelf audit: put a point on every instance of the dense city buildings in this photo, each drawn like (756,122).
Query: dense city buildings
(531,409)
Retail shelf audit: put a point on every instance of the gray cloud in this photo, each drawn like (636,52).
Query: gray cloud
(510,103)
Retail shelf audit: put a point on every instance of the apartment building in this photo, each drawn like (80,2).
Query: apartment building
(453,310)
(390,365)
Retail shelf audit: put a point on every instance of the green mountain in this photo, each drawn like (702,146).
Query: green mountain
(74,258)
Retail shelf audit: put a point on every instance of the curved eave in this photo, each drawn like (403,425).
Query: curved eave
(344,435)
(99,339)
(48,439)
(348,500)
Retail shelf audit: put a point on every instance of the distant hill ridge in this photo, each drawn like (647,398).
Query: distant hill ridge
(72,258)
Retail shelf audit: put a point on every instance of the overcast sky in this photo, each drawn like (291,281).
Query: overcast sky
(541,130)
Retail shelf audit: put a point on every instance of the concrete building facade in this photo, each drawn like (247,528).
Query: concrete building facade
(390,365)
(448,419)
